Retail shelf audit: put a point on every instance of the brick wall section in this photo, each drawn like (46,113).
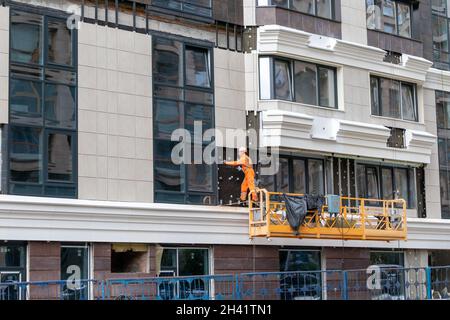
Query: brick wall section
(44,261)
(102,259)
(239,259)
(347,258)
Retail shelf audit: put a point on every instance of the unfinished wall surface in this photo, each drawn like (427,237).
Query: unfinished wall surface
(115,115)
(353,23)
(4,63)
(229,79)
(432,179)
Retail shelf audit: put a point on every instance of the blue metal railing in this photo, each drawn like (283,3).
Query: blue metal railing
(374,283)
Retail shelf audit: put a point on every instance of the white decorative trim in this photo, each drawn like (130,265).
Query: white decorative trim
(279,40)
(48,219)
(287,129)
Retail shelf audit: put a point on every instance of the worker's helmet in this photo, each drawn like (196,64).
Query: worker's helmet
(243,149)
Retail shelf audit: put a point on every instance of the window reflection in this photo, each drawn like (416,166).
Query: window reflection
(59,43)
(26,37)
(197,67)
(60,166)
(25,154)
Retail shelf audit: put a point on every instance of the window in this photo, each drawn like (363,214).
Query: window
(300,285)
(182,262)
(440,18)
(201,8)
(183,95)
(443,130)
(389,16)
(43,106)
(387,183)
(12,269)
(297,175)
(320,8)
(297,81)
(74,272)
(393,98)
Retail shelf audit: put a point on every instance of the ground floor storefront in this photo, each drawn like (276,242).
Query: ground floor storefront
(93,270)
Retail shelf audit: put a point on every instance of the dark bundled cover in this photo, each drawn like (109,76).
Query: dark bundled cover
(296,210)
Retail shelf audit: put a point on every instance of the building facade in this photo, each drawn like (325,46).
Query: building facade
(354,94)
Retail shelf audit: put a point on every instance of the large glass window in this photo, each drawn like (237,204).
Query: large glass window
(389,16)
(389,182)
(43,100)
(320,8)
(12,269)
(440,21)
(181,262)
(297,81)
(443,124)
(75,272)
(393,98)
(183,97)
(195,7)
(306,282)
(297,175)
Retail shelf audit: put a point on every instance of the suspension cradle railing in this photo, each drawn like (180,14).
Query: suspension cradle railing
(355,219)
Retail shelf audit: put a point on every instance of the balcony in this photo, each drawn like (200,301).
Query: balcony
(348,219)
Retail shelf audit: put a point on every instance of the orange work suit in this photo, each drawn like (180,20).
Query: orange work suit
(249,180)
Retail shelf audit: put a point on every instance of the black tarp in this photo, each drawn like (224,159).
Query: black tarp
(314,202)
(296,210)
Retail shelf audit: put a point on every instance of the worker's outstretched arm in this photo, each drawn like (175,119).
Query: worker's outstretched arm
(234,163)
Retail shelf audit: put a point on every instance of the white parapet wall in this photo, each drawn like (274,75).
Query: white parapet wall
(44,219)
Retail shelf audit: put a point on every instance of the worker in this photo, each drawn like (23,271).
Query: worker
(247,167)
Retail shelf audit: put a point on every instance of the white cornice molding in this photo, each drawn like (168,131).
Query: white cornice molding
(279,40)
(438,80)
(285,129)
(47,219)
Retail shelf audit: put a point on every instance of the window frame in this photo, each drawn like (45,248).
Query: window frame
(182,12)
(185,193)
(291,159)
(437,63)
(411,183)
(397,32)
(43,80)
(380,106)
(291,62)
(290,7)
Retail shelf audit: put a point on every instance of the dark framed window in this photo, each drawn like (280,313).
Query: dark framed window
(393,98)
(306,282)
(183,93)
(75,271)
(12,269)
(443,130)
(297,175)
(390,16)
(202,8)
(298,81)
(43,106)
(183,262)
(386,183)
(441,27)
(389,258)
(319,8)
